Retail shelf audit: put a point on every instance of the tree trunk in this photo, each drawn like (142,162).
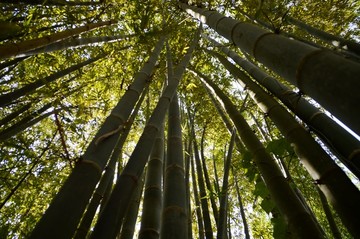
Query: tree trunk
(222,231)
(328,78)
(7,98)
(187,184)
(128,226)
(342,143)
(330,178)
(114,211)
(241,206)
(174,221)
(329,216)
(106,180)
(200,219)
(334,40)
(63,215)
(72,43)
(284,197)
(175,218)
(153,196)
(202,190)
(207,179)
(52,2)
(13,49)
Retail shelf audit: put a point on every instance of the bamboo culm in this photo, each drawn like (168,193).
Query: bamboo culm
(69,204)
(325,76)
(200,178)
(107,177)
(7,98)
(330,178)
(72,43)
(200,219)
(221,233)
(13,49)
(342,143)
(115,209)
(293,210)
(175,213)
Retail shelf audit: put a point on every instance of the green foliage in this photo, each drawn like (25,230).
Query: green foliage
(279,147)
(85,97)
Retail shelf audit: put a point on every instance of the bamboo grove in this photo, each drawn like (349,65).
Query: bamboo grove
(179,119)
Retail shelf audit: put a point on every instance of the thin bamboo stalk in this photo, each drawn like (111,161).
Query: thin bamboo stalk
(7,98)
(13,49)
(221,233)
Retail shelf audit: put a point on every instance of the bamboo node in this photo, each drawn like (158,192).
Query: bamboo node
(132,176)
(93,163)
(257,41)
(232,32)
(175,208)
(354,153)
(107,135)
(150,187)
(217,22)
(152,230)
(314,115)
(175,166)
(119,116)
(301,64)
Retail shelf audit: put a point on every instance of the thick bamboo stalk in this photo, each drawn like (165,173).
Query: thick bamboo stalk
(128,226)
(293,210)
(52,2)
(105,184)
(153,196)
(174,219)
(341,142)
(175,213)
(7,98)
(325,76)
(13,49)
(64,213)
(330,38)
(114,211)
(330,178)
(329,216)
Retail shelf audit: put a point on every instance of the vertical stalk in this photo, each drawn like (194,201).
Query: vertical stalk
(65,211)
(115,209)
(301,223)
(221,233)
